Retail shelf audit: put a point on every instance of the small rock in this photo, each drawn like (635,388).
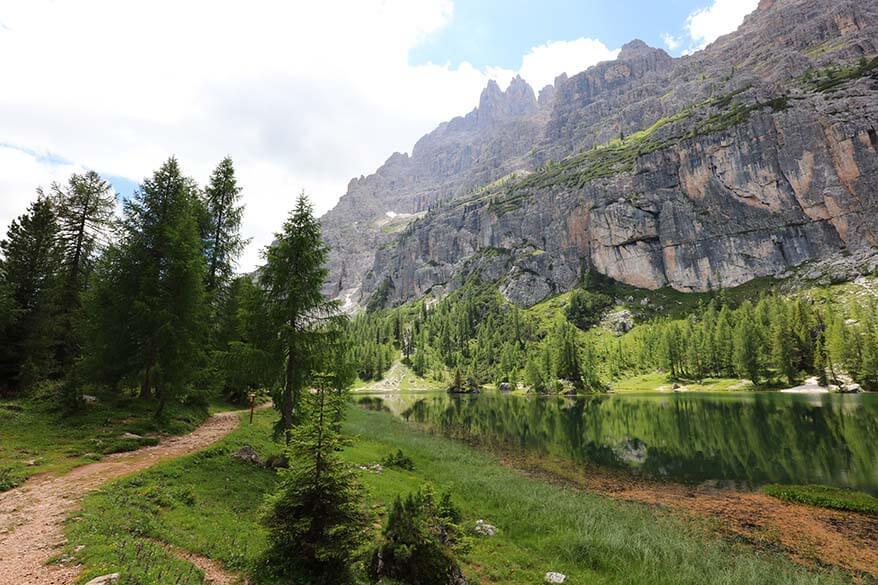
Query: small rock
(505,387)
(675,386)
(551,577)
(104,579)
(78,548)
(484,529)
(89,399)
(129,436)
(30,462)
(373,468)
(248,454)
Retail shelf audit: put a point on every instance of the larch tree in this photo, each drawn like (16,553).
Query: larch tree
(86,217)
(150,299)
(221,232)
(297,312)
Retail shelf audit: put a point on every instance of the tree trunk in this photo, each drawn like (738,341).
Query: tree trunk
(286,405)
(145,386)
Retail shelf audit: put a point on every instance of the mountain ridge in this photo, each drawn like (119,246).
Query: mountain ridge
(696,172)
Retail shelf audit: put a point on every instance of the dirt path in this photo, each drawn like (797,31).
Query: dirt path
(809,535)
(32,515)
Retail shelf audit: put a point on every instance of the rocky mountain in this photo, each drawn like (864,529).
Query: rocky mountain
(755,155)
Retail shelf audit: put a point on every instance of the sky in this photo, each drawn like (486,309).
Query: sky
(304,95)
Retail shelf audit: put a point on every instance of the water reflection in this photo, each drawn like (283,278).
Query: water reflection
(751,438)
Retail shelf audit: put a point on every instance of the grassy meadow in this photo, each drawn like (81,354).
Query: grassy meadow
(209,503)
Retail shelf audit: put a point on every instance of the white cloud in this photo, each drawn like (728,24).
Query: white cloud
(722,17)
(22,172)
(301,95)
(671,42)
(543,63)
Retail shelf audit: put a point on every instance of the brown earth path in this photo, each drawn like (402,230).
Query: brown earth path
(32,515)
(809,535)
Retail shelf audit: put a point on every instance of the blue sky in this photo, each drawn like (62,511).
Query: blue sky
(498,32)
(299,97)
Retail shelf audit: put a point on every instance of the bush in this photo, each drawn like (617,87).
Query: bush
(399,460)
(420,541)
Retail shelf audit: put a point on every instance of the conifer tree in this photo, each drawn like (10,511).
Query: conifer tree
(222,238)
(315,520)
(149,299)
(32,255)
(746,348)
(86,206)
(301,318)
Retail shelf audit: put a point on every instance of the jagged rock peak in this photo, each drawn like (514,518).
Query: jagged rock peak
(636,49)
(518,100)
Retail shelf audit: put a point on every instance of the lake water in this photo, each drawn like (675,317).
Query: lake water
(747,438)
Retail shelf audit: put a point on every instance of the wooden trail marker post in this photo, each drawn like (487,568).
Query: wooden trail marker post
(252,397)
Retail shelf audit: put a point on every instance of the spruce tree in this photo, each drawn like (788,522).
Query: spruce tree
(315,520)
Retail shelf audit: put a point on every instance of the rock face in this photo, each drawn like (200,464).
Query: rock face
(744,160)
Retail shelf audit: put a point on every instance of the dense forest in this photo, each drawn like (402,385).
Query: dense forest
(475,336)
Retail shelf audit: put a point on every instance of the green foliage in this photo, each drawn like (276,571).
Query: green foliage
(831,78)
(399,460)
(307,328)
(586,308)
(221,226)
(419,541)
(32,256)
(315,520)
(148,311)
(825,497)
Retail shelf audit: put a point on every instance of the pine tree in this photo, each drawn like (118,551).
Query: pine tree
(32,255)
(297,312)
(315,520)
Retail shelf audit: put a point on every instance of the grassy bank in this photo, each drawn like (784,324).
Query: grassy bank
(825,497)
(38,436)
(209,503)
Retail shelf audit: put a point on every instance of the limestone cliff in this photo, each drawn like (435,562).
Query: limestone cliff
(754,155)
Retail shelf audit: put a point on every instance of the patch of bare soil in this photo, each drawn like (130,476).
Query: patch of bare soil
(809,535)
(32,515)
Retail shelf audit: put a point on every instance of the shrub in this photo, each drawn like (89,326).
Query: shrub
(420,541)
(399,460)
(8,479)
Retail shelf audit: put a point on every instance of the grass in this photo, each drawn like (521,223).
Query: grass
(660,380)
(209,503)
(38,436)
(825,497)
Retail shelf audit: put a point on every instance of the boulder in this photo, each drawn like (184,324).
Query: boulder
(89,399)
(129,436)
(484,529)
(553,577)
(248,454)
(505,387)
(104,579)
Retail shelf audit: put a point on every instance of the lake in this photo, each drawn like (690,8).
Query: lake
(746,438)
